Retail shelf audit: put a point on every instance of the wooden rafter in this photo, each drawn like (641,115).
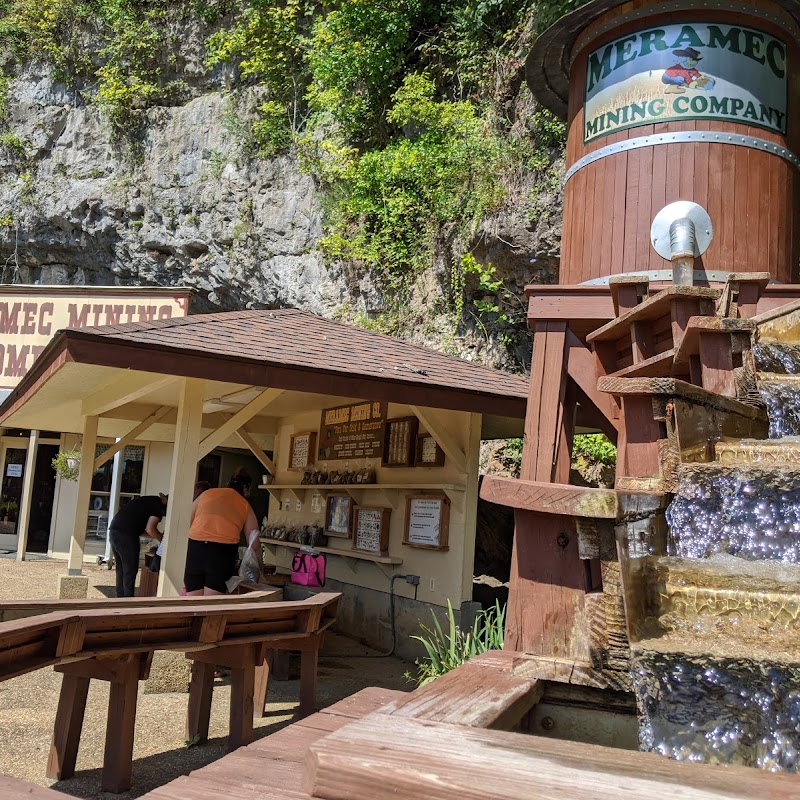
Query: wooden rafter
(238,420)
(257,451)
(131,436)
(124,389)
(444,439)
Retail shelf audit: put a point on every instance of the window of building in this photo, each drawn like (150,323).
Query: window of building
(132,468)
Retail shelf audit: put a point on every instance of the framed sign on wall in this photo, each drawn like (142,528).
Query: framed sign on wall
(400,439)
(353,431)
(339,515)
(302,447)
(429,454)
(427,521)
(371,529)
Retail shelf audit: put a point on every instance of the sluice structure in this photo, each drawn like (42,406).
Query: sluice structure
(675,330)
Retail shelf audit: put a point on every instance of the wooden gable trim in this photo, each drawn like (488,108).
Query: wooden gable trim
(98,350)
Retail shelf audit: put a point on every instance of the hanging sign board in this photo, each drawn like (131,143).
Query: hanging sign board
(683,72)
(354,431)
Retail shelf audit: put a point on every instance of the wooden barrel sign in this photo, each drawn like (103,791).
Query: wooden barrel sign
(671,101)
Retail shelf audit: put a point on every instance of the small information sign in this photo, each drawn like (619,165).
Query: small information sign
(371,529)
(400,442)
(427,522)
(301,450)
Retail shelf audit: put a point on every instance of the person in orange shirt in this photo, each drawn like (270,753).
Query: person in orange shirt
(219,516)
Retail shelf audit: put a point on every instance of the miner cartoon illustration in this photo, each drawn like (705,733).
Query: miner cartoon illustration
(683,74)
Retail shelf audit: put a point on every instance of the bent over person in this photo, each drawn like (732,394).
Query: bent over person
(137,517)
(219,516)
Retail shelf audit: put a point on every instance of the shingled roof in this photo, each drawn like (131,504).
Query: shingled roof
(287,349)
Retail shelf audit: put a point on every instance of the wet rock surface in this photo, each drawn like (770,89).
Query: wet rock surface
(750,513)
(719,711)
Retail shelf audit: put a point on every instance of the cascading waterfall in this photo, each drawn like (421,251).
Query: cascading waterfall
(778,357)
(719,710)
(745,512)
(781,398)
(716,669)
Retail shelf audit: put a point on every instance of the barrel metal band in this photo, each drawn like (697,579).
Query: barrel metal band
(684,137)
(665,275)
(781,18)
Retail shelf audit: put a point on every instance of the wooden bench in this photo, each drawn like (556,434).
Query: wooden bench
(21,609)
(116,645)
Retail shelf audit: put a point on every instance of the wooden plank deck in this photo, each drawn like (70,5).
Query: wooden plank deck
(272,768)
(383,755)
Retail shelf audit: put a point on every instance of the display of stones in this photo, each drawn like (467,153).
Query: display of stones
(312,535)
(337,478)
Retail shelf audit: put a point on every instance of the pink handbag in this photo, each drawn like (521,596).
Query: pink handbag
(308,569)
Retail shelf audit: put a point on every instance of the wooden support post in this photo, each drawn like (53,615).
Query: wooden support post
(548,584)
(27,494)
(118,755)
(641,531)
(261,686)
(627,291)
(181,486)
(309,659)
(641,341)
(68,727)
(546,572)
(545,402)
(716,363)
(639,434)
(123,673)
(78,542)
(201,689)
(241,660)
(582,369)
(241,710)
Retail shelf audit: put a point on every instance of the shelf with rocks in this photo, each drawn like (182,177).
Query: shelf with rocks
(453,491)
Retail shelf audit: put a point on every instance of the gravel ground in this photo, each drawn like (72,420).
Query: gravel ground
(28,703)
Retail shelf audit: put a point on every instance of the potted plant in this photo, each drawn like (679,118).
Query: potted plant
(8,506)
(67,464)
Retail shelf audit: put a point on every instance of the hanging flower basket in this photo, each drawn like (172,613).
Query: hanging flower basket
(67,464)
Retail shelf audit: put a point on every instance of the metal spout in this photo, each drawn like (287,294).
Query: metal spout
(682,245)
(681,232)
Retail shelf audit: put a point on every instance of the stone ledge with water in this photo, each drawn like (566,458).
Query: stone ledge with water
(699,707)
(716,652)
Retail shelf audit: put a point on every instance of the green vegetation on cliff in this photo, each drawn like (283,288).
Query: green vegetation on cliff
(413,116)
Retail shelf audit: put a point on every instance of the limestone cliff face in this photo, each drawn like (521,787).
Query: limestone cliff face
(183,206)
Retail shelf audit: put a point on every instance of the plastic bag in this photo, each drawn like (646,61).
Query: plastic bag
(250,568)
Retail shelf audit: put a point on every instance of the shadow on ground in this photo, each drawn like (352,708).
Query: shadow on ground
(345,667)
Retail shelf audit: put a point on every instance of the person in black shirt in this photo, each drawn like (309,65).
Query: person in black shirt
(138,516)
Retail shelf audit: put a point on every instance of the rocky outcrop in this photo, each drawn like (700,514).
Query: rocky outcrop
(186,210)
(179,202)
